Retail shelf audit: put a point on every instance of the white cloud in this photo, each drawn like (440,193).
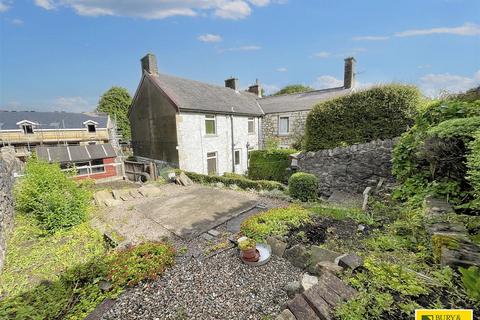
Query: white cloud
(45,4)
(281,69)
(4,6)
(270,88)
(467,29)
(158,9)
(243,48)
(434,84)
(371,38)
(72,104)
(17,22)
(322,54)
(208,37)
(324,82)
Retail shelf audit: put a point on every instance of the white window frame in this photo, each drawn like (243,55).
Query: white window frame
(252,120)
(279,126)
(239,158)
(89,123)
(215,156)
(210,117)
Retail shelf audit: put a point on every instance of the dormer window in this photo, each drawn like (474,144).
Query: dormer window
(27,128)
(91,126)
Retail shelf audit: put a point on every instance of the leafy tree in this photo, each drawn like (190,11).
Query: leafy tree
(116,102)
(294,88)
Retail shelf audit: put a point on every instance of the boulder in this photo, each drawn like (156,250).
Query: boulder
(351,261)
(105,285)
(301,309)
(278,246)
(324,266)
(149,191)
(101,196)
(318,254)
(286,315)
(293,288)
(298,255)
(308,281)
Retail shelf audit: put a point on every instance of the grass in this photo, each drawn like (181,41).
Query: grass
(57,276)
(34,256)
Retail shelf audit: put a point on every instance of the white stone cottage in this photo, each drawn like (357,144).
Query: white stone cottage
(210,129)
(193,125)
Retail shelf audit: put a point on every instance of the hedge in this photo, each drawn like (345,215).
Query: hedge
(378,113)
(473,164)
(269,164)
(303,186)
(241,182)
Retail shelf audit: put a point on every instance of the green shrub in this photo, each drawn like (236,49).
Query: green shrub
(379,113)
(473,164)
(303,186)
(269,164)
(471,282)
(76,292)
(135,264)
(51,196)
(241,182)
(274,222)
(431,158)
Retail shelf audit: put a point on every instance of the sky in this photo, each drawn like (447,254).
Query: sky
(61,55)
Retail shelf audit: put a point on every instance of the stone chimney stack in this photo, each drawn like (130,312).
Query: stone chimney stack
(256,89)
(149,64)
(232,83)
(349,75)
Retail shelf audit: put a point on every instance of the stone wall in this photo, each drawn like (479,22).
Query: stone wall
(8,164)
(297,127)
(350,169)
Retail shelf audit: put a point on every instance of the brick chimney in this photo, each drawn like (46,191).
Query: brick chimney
(149,64)
(349,75)
(256,89)
(232,83)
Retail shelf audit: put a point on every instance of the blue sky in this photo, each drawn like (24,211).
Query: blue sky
(63,54)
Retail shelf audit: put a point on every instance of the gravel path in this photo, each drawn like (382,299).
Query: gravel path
(221,287)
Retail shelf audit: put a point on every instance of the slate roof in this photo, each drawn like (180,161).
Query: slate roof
(299,101)
(191,95)
(64,154)
(47,120)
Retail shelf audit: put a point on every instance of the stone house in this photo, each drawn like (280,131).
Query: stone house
(192,125)
(285,115)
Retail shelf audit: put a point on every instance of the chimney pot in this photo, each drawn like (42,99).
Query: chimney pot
(256,89)
(232,83)
(349,75)
(149,63)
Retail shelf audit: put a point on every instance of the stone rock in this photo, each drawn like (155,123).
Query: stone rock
(351,261)
(207,236)
(300,308)
(214,233)
(318,254)
(149,191)
(324,266)
(112,202)
(298,255)
(361,227)
(101,197)
(122,194)
(277,245)
(337,285)
(102,308)
(105,285)
(319,305)
(286,315)
(293,288)
(183,180)
(308,281)
(324,293)
(135,194)
(467,255)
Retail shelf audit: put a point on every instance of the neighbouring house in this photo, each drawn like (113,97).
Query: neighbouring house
(285,115)
(192,125)
(210,129)
(81,140)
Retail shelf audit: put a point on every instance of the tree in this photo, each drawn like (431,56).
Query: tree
(294,88)
(116,102)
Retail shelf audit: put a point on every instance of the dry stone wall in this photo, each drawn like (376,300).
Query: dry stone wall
(8,165)
(350,169)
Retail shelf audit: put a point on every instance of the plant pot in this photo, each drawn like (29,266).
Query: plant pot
(251,255)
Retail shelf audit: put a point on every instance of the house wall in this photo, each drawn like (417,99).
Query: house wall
(297,127)
(194,144)
(153,123)
(110,171)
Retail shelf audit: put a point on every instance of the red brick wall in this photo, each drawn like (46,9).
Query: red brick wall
(110,171)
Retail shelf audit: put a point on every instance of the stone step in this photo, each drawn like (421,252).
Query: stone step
(301,309)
